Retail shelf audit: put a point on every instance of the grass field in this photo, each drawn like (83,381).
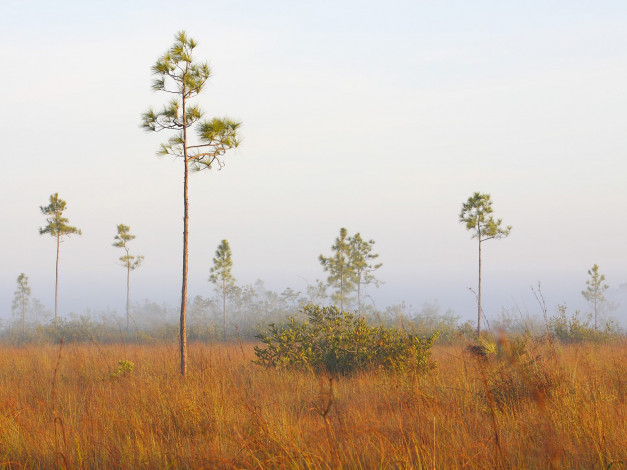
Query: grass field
(546,406)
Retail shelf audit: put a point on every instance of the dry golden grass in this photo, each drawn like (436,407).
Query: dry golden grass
(554,407)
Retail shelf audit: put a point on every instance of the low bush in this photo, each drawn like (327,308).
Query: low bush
(125,369)
(575,329)
(341,343)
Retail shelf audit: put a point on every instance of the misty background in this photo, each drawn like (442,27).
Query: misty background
(380,120)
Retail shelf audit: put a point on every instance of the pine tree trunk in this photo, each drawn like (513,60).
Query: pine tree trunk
(479,293)
(224,310)
(128,282)
(23,316)
(595,309)
(359,295)
(342,290)
(183,326)
(56,282)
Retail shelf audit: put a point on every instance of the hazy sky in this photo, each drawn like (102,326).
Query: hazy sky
(379,118)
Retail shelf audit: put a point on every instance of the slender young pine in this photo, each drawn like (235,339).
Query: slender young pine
(221,276)
(476,215)
(178,75)
(58,228)
(594,293)
(130,262)
(340,269)
(361,258)
(21,300)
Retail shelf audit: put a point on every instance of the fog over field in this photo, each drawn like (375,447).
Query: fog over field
(383,120)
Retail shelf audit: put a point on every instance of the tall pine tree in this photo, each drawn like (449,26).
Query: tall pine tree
(58,228)
(182,78)
(476,214)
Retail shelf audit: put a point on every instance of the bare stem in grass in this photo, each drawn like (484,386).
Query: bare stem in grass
(323,407)
(434,443)
(538,394)
(56,419)
(495,427)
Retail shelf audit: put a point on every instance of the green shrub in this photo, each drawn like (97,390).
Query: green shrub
(576,329)
(125,369)
(341,343)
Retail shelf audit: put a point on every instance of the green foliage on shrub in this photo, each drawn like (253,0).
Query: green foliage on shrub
(576,329)
(125,369)
(341,343)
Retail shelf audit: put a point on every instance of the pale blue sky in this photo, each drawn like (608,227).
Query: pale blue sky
(382,119)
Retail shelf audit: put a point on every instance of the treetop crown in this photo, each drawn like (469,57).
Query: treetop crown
(475,214)
(57,224)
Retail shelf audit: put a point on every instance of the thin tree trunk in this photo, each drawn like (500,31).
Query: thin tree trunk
(56,282)
(595,309)
(342,290)
(128,279)
(224,310)
(23,316)
(359,295)
(183,327)
(479,293)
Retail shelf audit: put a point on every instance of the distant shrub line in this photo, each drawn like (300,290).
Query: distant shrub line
(374,326)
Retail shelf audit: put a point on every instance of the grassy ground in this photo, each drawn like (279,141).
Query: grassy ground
(540,407)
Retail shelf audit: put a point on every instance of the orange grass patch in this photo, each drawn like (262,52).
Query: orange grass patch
(60,407)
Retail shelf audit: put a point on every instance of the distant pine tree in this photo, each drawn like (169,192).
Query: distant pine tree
(130,262)
(476,215)
(58,228)
(363,267)
(21,300)
(340,269)
(221,276)
(594,293)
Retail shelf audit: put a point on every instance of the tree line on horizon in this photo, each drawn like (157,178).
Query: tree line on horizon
(252,307)
(350,268)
